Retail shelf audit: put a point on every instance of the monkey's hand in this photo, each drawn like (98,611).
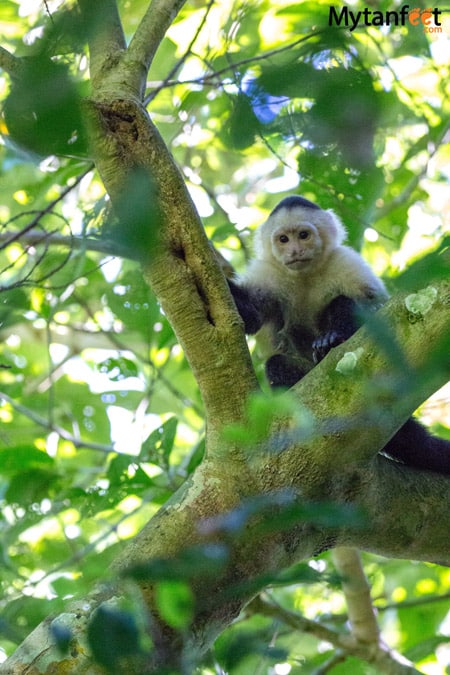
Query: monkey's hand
(337,323)
(322,344)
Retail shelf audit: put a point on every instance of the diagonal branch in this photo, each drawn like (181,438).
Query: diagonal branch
(356,589)
(181,267)
(147,38)
(105,37)
(180,62)
(10,63)
(357,413)
(50,426)
(383,659)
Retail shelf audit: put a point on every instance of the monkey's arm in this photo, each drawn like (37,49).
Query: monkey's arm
(338,321)
(255,306)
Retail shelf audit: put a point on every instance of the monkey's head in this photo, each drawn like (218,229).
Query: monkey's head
(298,235)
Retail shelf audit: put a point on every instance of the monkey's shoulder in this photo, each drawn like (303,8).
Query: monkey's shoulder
(347,273)
(264,276)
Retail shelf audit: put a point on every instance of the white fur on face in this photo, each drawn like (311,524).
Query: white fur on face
(296,246)
(327,232)
(300,259)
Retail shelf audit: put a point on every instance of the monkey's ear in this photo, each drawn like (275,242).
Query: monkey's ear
(262,240)
(338,232)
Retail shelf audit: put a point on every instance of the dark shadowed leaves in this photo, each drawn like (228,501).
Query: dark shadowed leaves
(243,123)
(234,649)
(113,636)
(43,109)
(175,602)
(207,560)
(138,215)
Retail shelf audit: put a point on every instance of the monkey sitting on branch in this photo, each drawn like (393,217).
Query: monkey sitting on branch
(308,293)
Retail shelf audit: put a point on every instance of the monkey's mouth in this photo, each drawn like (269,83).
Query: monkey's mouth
(298,262)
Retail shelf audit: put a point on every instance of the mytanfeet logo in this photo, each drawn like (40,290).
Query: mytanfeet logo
(429,19)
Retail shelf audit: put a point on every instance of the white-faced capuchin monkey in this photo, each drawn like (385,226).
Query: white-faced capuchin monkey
(309,293)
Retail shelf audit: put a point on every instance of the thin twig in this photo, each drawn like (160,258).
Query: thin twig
(47,209)
(180,62)
(42,422)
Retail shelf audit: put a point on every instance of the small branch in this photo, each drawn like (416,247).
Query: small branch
(416,602)
(105,37)
(214,78)
(36,237)
(372,415)
(180,62)
(357,595)
(10,63)
(48,209)
(405,194)
(260,605)
(42,422)
(383,659)
(147,38)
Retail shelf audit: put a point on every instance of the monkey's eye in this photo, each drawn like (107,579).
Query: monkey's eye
(303,234)
(283,238)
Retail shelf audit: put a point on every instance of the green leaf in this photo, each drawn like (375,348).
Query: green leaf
(160,442)
(113,635)
(23,458)
(43,110)
(175,603)
(243,124)
(118,368)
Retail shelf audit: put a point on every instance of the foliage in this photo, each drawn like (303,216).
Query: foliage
(101,417)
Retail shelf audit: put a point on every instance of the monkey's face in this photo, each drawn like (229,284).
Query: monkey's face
(298,238)
(297,246)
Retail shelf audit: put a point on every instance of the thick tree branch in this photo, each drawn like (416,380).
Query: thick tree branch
(9,63)
(113,65)
(361,410)
(406,512)
(147,38)
(181,268)
(105,38)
